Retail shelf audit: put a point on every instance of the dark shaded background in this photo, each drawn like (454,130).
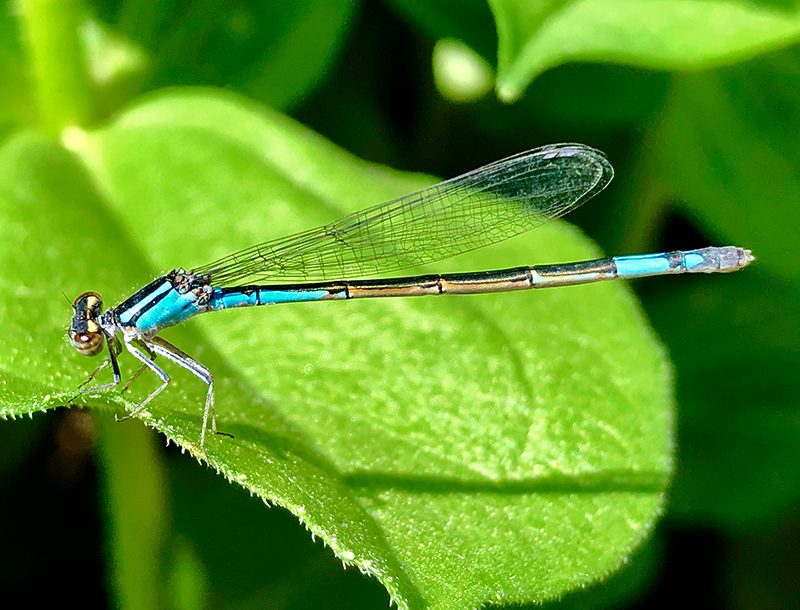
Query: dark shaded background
(731,533)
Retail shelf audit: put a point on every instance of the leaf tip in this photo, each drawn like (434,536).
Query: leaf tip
(508,93)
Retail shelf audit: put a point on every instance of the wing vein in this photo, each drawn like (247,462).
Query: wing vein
(481,207)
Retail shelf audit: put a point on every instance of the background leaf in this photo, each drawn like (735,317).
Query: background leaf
(711,116)
(15,103)
(721,157)
(665,34)
(276,52)
(467,20)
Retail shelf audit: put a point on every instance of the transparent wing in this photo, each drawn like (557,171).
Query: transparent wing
(476,209)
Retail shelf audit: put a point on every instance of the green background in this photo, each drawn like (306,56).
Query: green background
(582,447)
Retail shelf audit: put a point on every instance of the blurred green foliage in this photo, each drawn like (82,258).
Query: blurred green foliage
(696,104)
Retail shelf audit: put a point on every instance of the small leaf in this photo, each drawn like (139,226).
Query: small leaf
(460,74)
(467,449)
(659,34)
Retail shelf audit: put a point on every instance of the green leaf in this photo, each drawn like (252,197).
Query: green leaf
(280,566)
(277,52)
(503,447)
(58,64)
(467,20)
(726,149)
(723,154)
(659,34)
(16,105)
(623,589)
(186,578)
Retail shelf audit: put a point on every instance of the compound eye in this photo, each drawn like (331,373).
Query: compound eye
(85,333)
(87,343)
(89,302)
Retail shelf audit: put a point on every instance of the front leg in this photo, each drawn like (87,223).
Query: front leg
(114,349)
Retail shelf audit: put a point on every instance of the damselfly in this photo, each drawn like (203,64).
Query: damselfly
(479,208)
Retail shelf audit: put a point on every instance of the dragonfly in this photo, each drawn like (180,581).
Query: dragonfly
(339,261)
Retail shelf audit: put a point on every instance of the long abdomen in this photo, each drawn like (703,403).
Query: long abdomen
(704,260)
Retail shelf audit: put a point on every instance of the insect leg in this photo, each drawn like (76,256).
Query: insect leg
(145,359)
(178,356)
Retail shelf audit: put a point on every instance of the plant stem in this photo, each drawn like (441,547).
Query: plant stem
(136,511)
(52,30)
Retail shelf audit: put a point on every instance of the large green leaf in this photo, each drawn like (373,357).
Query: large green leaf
(666,34)
(504,447)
